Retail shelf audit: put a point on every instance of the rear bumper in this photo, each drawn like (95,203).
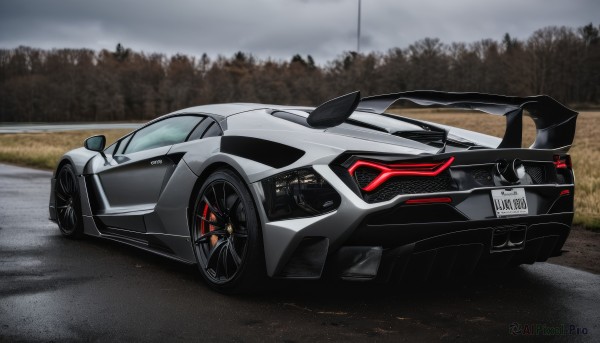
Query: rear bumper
(422,251)
(419,252)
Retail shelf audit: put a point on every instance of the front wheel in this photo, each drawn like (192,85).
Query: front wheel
(226,234)
(68,205)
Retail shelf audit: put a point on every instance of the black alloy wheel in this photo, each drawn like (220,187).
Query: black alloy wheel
(226,234)
(68,205)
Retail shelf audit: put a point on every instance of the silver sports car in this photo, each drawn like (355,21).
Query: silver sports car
(252,191)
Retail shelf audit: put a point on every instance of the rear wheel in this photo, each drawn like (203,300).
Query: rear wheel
(226,234)
(68,205)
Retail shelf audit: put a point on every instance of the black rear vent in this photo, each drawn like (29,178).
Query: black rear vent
(364,176)
(436,138)
(552,174)
(411,185)
(482,176)
(537,173)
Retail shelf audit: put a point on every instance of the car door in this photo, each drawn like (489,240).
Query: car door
(133,178)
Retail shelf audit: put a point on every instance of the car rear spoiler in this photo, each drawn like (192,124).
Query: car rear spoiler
(334,112)
(554,122)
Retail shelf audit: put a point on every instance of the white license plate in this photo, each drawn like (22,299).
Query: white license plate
(509,202)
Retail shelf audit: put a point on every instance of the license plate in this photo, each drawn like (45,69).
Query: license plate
(509,202)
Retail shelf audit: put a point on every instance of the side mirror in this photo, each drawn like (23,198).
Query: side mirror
(95,143)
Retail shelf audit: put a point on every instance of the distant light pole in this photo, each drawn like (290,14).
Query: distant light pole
(358,30)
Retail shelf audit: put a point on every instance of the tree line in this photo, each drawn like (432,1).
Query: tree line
(85,85)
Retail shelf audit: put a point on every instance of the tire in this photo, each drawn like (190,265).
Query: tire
(226,235)
(68,203)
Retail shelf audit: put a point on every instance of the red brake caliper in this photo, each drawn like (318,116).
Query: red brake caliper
(212,218)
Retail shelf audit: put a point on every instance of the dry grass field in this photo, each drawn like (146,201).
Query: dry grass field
(42,150)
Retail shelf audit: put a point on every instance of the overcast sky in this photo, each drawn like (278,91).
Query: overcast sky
(276,28)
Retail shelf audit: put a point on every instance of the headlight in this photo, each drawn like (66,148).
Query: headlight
(298,193)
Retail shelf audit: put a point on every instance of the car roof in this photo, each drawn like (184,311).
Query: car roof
(230,109)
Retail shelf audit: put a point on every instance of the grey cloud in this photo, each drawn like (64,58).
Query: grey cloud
(275,28)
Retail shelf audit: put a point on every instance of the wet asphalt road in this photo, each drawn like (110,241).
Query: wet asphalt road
(54,289)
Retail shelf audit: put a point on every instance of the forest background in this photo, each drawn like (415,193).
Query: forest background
(74,85)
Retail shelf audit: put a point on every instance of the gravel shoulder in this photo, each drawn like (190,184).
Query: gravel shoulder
(581,251)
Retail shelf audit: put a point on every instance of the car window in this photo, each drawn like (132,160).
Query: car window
(207,128)
(165,132)
(111,149)
(212,131)
(199,130)
(122,145)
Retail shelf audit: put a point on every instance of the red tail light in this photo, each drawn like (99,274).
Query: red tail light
(565,192)
(386,171)
(442,200)
(562,162)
